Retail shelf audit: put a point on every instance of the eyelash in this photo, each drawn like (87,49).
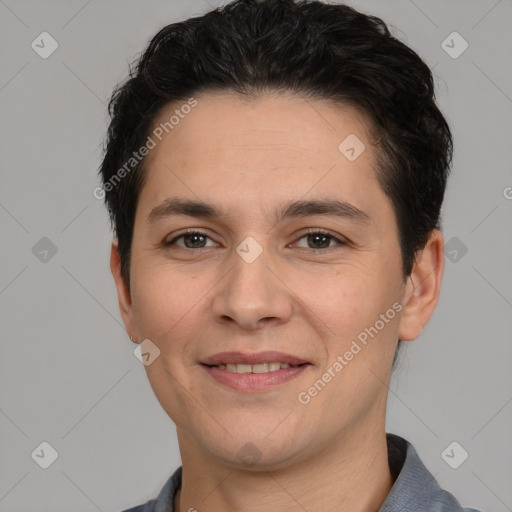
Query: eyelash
(311,231)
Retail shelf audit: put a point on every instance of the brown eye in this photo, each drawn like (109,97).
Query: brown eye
(319,240)
(191,240)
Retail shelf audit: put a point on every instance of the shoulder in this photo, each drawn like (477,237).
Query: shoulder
(415,488)
(140,508)
(149,506)
(165,499)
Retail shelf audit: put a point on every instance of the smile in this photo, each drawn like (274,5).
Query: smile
(254,368)
(253,378)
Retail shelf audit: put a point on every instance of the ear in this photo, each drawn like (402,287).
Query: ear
(123,292)
(423,288)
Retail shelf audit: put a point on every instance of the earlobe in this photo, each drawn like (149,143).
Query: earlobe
(423,288)
(123,291)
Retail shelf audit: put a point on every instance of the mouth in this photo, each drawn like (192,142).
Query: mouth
(268,357)
(255,368)
(260,371)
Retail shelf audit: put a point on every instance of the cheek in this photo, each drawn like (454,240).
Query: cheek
(164,301)
(343,299)
(349,302)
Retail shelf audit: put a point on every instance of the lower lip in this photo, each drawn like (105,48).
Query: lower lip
(252,382)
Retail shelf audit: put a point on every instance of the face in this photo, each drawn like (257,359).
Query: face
(297,253)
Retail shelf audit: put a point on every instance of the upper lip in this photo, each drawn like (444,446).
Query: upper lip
(268,356)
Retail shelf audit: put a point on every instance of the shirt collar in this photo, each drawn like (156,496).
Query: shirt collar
(415,488)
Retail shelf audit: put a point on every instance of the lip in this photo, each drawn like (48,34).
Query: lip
(254,382)
(267,356)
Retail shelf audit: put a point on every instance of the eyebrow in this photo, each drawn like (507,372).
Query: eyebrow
(176,206)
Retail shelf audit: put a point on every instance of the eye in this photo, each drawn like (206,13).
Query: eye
(319,239)
(315,239)
(191,240)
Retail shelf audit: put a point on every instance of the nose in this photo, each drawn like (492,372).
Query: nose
(252,294)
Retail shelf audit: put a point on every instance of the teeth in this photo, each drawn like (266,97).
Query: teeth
(260,368)
(254,368)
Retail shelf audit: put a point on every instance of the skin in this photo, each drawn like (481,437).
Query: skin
(249,158)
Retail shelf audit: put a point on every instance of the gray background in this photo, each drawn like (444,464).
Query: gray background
(68,375)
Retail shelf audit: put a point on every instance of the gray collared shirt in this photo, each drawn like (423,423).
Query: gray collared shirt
(414,490)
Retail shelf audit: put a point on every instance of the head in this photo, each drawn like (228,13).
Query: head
(264,112)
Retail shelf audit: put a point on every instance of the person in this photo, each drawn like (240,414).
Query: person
(274,173)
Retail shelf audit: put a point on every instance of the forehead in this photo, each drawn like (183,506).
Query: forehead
(275,146)
(221,118)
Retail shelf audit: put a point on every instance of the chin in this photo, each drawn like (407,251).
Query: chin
(259,453)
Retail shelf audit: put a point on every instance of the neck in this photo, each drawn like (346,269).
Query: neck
(352,474)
